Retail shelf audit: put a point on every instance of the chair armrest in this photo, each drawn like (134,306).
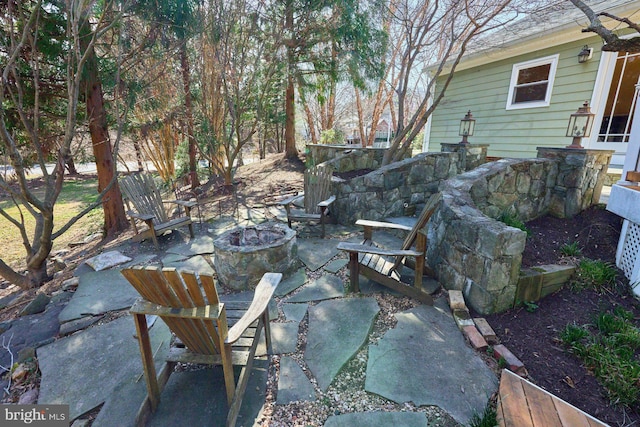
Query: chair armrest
(366,249)
(143,217)
(326,203)
(186,203)
(379,224)
(290,200)
(262,296)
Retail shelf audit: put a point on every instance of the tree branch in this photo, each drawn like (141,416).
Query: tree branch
(613,43)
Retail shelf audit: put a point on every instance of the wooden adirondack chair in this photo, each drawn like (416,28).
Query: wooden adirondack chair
(210,332)
(140,191)
(317,198)
(381,265)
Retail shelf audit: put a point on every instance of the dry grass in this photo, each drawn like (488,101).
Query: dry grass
(75,195)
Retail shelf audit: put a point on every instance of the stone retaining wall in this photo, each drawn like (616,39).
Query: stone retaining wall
(384,192)
(581,175)
(471,155)
(350,160)
(370,157)
(470,250)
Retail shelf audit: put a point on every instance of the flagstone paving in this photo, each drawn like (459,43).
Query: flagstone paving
(378,418)
(337,330)
(326,287)
(284,337)
(196,263)
(294,312)
(82,370)
(444,370)
(315,253)
(173,258)
(102,363)
(293,384)
(98,293)
(336,265)
(29,332)
(197,398)
(107,260)
(293,282)
(197,246)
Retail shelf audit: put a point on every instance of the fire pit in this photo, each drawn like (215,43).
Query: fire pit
(244,254)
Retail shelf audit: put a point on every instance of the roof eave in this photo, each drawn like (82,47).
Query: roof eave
(566,33)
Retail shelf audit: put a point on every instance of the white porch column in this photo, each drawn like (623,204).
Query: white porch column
(632,158)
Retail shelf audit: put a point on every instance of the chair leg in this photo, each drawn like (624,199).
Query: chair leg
(354,272)
(243,379)
(152,232)
(323,213)
(421,246)
(227,369)
(188,213)
(267,330)
(148,366)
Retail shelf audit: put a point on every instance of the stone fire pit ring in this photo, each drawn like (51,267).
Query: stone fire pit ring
(243,254)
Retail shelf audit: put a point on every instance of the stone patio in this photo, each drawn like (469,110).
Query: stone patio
(424,360)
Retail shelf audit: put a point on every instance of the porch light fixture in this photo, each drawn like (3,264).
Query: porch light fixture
(585,54)
(580,124)
(467,125)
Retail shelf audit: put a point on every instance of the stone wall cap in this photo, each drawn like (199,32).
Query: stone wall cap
(457,144)
(575,150)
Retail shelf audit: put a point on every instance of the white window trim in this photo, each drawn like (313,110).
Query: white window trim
(553,60)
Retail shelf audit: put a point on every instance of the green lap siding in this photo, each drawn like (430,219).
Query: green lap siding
(515,133)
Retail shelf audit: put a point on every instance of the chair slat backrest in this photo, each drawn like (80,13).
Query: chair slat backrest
(426,213)
(141,191)
(317,187)
(170,288)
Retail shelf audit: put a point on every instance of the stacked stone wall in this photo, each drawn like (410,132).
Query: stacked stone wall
(469,249)
(471,155)
(351,160)
(344,155)
(384,192)
(581,175)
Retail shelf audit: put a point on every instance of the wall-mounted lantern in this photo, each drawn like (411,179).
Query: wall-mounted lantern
(580,124)
(585,54)
(467,125)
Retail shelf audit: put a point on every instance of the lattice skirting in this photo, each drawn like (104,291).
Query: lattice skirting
(628,254)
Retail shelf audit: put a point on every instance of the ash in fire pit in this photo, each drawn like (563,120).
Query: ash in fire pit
(252,236)
(244,254)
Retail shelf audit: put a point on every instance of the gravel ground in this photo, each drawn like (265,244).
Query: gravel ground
(346,393)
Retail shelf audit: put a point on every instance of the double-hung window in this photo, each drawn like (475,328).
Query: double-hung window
(531,83)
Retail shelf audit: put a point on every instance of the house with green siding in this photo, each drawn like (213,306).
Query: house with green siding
(525,81)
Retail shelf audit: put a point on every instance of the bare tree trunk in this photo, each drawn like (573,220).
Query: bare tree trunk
(70,165)
(289,129)
(331,99)
(186,81)
(289,107)
(136,148)
(363,137)
(309,114)
(115,219)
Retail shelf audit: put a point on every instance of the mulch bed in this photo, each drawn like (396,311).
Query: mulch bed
(596,230)
(534,336)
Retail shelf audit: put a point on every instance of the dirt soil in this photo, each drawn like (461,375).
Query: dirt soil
(533,336)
